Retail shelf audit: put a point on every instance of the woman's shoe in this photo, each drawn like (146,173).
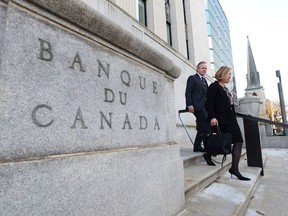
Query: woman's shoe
(208,159)
(238,175)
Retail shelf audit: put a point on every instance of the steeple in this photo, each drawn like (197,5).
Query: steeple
(254,102)
(253,80)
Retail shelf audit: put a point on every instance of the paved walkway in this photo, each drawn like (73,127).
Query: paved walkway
(271,195)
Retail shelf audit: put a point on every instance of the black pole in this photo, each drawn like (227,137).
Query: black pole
(253,144)
(282,104)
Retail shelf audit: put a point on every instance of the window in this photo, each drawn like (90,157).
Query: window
(169,37)
(186,30)
(168,22)
(142,12)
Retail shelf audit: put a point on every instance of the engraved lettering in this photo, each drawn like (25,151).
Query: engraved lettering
(155,91)
(34,115)
(109,95)
(77,60)
(125,97)
(109,123)
(42,115)
(106,71)
(45,50)
(78,117)
(127,122)
(142,83)
(143,122)
(125,79)
(156,125)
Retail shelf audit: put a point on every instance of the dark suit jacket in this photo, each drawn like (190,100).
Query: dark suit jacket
(218,104)
(195,93)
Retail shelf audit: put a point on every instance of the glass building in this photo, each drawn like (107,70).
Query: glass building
(219,40)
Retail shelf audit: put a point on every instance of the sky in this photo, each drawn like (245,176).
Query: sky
(265,22)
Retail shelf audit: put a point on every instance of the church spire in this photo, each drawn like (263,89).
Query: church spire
(253,80)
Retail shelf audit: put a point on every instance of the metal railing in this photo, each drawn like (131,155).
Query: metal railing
(252,137)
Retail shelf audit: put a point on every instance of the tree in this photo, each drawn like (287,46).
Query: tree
(276,115)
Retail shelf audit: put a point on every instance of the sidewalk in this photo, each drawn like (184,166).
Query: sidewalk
(225,196)
(271,195)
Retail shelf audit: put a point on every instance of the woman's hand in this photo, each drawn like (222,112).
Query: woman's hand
(213,122)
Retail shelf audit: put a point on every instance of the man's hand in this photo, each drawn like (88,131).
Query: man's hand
(191,109)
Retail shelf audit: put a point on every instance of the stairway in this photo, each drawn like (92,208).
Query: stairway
(210,190)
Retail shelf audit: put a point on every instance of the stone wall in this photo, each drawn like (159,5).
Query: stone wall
(87,115)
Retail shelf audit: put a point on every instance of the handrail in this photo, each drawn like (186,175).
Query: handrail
(253,118)
(250,117)
(183,111)
(253,140)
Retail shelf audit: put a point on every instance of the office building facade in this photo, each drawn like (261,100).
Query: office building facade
(187,31)
(181,25)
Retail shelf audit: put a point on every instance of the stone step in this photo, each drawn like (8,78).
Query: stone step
(189,157)
(197,174)
(200,175)
(210,190)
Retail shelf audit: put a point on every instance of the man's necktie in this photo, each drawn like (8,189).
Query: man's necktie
(204,82)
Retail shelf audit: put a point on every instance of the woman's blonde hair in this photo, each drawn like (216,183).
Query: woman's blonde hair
(222,72)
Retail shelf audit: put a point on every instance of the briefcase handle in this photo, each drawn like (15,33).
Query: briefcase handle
(215,130)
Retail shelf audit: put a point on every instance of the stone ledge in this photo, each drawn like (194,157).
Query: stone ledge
(81,15)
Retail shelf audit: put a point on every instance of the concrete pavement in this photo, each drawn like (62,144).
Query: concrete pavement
(271,195)
(226,196)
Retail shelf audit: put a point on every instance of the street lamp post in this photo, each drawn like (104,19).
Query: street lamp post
(282,104)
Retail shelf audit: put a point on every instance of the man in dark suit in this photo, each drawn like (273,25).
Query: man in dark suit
(196,96)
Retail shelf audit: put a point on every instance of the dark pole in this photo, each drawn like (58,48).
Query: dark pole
(281,98)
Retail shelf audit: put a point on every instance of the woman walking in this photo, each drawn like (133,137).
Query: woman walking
(221,112)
